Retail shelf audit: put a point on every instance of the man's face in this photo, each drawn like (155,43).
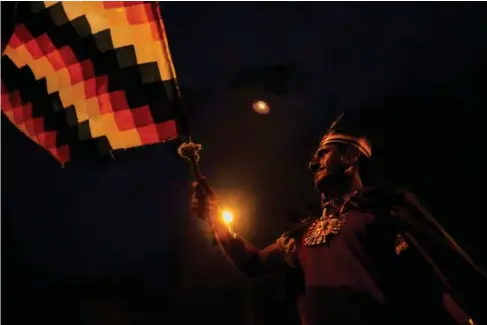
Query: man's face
(326,164)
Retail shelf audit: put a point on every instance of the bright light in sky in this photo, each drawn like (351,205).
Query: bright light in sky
(261,107)
(227,217)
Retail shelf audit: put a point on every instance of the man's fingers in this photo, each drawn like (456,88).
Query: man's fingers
(203,206)
(203,200)
(202,187)
(195,200)
(203,182)
(198,189)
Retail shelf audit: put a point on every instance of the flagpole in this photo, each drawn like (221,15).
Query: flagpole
(188,149)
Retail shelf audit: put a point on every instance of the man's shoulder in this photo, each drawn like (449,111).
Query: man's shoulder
(287,242)
(297,228)
(383,192)
(374,197)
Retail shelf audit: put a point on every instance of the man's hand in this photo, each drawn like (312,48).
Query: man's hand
(204,203)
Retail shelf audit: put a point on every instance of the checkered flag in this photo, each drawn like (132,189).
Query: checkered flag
(90,72)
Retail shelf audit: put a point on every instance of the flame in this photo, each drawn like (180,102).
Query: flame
(227,217)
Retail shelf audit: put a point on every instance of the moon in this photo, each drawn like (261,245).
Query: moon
(261,107)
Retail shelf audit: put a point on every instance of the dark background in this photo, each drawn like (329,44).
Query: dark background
(111,241)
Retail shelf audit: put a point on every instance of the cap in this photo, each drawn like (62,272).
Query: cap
(347,132)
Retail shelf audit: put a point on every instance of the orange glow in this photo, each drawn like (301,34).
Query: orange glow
(261,107)
(227,217)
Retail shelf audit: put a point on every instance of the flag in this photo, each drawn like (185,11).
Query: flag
(97,72)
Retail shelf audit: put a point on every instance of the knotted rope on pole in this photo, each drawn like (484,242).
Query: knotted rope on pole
(190,150)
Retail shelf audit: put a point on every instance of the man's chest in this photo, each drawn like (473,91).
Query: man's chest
(345,249)
(347,229)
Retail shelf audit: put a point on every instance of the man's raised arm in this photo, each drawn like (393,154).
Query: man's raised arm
(247,258)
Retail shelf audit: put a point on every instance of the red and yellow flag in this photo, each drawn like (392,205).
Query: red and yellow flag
(99,72)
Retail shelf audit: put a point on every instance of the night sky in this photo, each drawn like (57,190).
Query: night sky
(126,220)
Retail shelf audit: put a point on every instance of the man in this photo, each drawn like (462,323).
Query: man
(346,266)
